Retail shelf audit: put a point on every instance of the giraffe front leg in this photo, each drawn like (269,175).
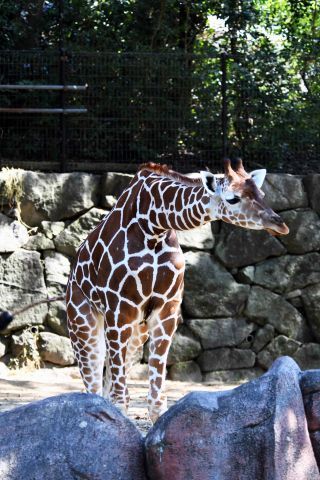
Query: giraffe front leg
(161,332)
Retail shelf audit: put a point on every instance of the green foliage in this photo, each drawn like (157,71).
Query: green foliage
(172,107)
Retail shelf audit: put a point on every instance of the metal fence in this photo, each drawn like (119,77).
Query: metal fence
(113,111)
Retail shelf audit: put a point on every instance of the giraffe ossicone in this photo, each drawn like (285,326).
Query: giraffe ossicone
(126,284)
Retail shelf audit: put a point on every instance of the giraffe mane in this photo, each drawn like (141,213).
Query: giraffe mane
(164,171)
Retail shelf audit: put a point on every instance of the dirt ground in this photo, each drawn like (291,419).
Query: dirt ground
(19,387)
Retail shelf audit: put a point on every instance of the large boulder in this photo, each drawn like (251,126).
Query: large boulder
(304,233)
(69,240)
(311,303)
(57,196)
(310,387)
(13,234)
(22,283)
(289,272)
(221,332)
(264,307)
(210,290)
(284,191)
(238,247)
(312,184)
(256,431)
(73,436)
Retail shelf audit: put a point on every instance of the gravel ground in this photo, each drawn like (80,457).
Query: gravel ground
(20,387)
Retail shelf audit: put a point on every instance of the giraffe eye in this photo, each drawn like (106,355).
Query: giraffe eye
(234,200)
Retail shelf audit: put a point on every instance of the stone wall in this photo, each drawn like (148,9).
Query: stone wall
(249,297)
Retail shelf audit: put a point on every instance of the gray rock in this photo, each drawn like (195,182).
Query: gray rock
(246,275)
(55,349)
(56,196)
(239,247)
(185,372)
(24,350)
(139,371)
(57,268)
(57,318)
(3,346)
(114,183)
(22,283)
(310,383)
(262,337)
(312,184)
(287,273)
(51,229)
(73,436)
(310,387)
(108,202)
(22,342)
(264,307)
(304,233)
(210,290)
(184,347)
(221,332)
(256,431)
(284,191)
(197,239)
(311,303)
(13,234)
(308,356)
(70,239)
(278,347)
(39,242)
(226,359)
(4,370)
(232,377)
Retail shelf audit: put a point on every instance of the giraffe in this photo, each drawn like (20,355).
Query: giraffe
(127,280)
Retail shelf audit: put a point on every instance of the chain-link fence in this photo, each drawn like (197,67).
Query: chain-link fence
(113,111)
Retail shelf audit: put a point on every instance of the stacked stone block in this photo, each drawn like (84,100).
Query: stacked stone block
(249,297)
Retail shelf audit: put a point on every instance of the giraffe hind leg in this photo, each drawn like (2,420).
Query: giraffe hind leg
(138,338)
(86,330)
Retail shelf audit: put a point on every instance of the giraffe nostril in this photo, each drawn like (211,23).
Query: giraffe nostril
(277,219)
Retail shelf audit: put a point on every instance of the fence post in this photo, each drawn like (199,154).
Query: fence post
(62,75)
(224,105)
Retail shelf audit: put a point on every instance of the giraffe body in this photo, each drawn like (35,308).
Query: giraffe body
(127,281)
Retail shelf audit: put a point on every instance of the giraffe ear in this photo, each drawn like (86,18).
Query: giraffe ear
(258,176)
(209,182)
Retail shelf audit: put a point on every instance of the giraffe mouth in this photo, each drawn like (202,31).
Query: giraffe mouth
(278,230)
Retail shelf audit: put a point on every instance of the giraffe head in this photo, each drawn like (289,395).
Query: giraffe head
(237,198)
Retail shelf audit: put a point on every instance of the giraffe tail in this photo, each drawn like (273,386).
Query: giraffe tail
(6,317)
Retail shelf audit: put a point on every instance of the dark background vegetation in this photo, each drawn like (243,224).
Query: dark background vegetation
(154,75)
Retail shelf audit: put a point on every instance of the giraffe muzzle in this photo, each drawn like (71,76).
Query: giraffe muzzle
(274,225)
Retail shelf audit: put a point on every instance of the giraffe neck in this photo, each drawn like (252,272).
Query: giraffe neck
(165,204)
